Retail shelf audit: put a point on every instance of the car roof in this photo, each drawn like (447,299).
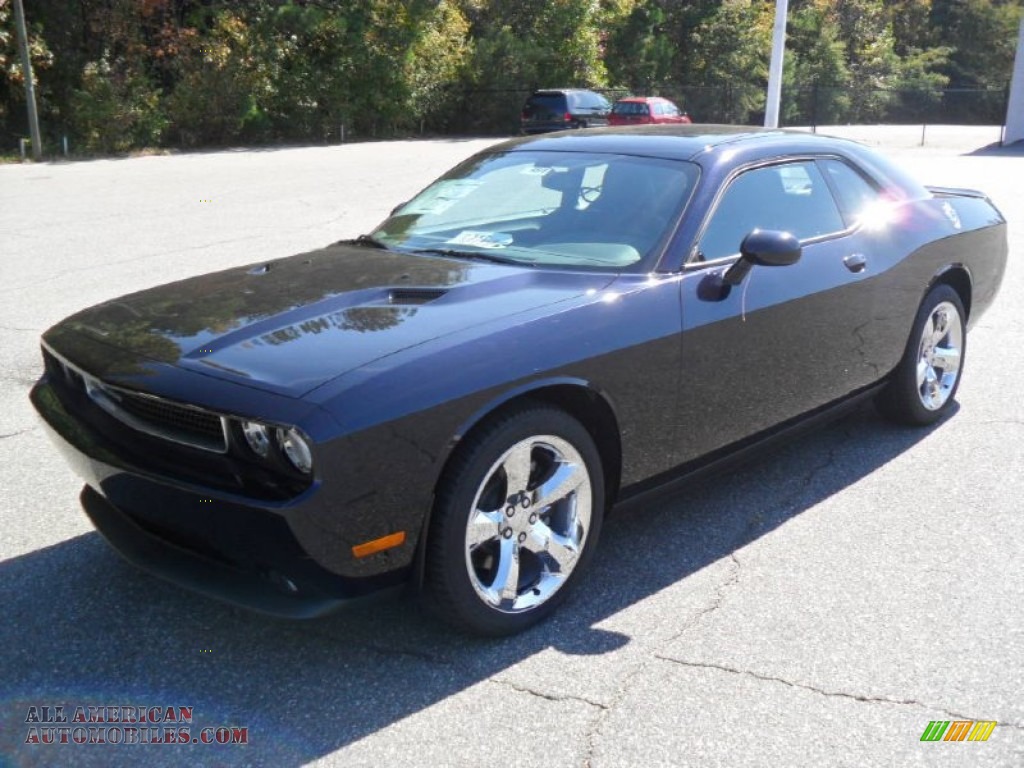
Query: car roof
(642,99)
(677,142)
(555,91)
(710,146)
(680,141)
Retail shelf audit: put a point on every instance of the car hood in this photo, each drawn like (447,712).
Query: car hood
(291,325)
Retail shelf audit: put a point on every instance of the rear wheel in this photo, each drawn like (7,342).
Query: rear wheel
(924,384)
(517,519)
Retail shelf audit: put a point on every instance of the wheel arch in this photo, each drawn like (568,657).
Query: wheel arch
(959,278)
(593,408)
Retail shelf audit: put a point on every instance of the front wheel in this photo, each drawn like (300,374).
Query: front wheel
(516,521)
(924,384)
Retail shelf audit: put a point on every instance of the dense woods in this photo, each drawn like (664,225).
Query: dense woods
(113,75)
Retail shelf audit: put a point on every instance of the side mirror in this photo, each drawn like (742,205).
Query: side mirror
(764,248)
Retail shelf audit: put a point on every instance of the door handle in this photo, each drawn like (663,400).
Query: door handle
(856,262)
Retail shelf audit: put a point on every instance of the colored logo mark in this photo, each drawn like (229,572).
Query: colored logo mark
(958,730)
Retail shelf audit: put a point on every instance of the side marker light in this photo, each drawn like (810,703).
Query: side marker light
(368,548)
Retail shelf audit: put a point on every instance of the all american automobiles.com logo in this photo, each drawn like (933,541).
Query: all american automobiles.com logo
(123,724)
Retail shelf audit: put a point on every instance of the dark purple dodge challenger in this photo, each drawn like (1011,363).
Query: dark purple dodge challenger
(456,400)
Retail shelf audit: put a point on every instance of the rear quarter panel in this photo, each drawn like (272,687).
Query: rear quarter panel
(923,242)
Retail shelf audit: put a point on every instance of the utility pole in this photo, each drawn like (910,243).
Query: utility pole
(30,88)
(771,112)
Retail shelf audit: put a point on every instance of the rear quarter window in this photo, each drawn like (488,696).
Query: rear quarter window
(856,195)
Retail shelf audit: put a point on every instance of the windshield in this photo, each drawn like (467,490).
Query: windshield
(570,209)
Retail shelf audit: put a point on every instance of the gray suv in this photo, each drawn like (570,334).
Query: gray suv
(561,108)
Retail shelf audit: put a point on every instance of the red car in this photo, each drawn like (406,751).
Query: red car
(639,110)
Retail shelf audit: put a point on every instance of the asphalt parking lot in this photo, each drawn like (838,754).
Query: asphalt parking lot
(818,608)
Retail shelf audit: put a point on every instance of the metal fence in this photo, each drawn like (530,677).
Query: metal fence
(459,111)
(497,111)
(815,105)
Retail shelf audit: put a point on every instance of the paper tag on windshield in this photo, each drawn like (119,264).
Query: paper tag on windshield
(441,196)
(482,239)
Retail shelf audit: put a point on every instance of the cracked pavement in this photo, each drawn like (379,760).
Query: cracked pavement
(817,608)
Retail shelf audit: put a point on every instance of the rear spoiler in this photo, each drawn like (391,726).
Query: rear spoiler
(956,192)
(969,194)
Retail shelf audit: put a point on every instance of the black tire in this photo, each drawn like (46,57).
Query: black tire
(906,400)
(475,494)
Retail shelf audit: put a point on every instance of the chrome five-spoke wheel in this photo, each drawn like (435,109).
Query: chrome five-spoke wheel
(923,386)
(938,359)
(517,517)
(528,524)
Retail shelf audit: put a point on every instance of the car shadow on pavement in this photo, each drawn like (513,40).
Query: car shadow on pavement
(1015,149)
(82,628)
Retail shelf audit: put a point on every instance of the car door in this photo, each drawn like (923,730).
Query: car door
(787,339)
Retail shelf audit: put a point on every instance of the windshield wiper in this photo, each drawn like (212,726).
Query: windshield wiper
(368,240)
(454,253)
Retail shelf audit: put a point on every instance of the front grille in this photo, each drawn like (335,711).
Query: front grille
(155,416)
(177,422)
(173,416)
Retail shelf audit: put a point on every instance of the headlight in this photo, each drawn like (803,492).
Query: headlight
(258,438)
(296,449)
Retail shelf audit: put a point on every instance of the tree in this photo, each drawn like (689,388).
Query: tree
(816,75)
(437,59)
(983,37)
(717,55)
(640,51)
(12,77)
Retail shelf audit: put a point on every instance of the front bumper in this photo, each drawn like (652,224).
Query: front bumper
(263,590)
(243,551)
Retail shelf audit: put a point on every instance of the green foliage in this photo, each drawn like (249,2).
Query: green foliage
(216,83)
(640,51)
(118,74)
(437,58)
(856,61)
(983,37)
(115,109)
(12,76)
(816,75)
(721,55)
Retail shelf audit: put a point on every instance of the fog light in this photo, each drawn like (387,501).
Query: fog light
(258,438)
(296,449)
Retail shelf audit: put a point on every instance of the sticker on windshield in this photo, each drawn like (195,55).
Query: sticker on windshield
(537,170)
(480,239)
(440,197)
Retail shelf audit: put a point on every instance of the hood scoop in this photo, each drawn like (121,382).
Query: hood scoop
(413,297)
